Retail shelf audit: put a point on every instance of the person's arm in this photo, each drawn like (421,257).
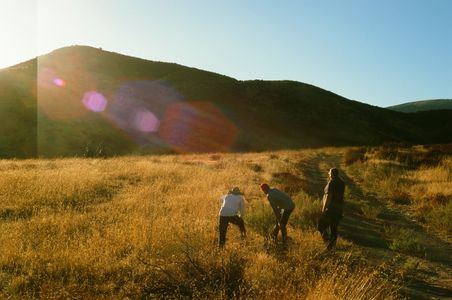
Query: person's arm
(326,201)
(277,212)
(242,207)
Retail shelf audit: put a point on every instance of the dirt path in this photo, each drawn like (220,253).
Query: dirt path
(430,274)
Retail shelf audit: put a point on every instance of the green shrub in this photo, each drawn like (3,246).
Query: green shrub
(404,240)
(440,217)
(261,219)
(307,212)
(306,215)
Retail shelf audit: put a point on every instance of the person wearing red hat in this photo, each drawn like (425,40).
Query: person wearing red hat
(282,206)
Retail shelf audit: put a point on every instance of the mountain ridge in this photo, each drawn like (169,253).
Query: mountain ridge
(84,101)
(422,105)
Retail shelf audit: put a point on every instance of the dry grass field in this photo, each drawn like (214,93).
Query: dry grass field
(146,227)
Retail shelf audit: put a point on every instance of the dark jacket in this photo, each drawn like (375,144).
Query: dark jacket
(280,200)
(335,188)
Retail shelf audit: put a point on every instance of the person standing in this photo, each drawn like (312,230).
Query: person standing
(232,211)
(332,209)
(282,206)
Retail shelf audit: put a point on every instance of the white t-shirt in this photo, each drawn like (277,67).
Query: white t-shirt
(232,205)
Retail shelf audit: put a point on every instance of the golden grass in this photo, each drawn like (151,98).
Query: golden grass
(425,190)
(144,227)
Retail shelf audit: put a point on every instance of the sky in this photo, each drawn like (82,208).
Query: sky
(381,52)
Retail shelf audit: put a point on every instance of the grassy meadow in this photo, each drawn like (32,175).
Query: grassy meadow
(146,226)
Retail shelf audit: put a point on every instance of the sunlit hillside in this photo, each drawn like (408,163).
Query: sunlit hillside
(424,105)
(146,227)
(88,102)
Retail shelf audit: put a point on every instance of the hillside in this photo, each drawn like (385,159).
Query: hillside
(83,101)
(424,105)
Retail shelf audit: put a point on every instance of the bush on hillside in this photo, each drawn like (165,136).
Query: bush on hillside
(353,155)
(404,240)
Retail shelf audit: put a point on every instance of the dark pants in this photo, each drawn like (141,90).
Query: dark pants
(281,224)
(223,227)
(329,221)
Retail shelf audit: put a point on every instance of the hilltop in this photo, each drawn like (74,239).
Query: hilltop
(84,101)
(424,105)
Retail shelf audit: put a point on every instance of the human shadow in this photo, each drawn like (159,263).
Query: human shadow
(369,231)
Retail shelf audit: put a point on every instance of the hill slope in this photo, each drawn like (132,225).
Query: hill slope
(85,101)
(424,105)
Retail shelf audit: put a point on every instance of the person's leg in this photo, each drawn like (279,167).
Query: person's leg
(236,220)
(275,231)
(323,227)
(283,223)
(333,238)
(223,227)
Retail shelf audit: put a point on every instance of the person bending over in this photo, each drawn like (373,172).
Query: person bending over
(282,206)
(232,211)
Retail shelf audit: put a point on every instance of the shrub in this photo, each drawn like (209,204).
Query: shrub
(198,275)
(257,168)
(306,215)
(354,155)
(439,199)
(261,219)
(288,182)
(400,197)
(370,211)
(404,240)
(440,217)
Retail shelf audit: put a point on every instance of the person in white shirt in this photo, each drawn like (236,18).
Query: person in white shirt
(232,211)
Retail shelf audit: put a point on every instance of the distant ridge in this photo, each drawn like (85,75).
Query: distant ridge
(85,101)
(423,105)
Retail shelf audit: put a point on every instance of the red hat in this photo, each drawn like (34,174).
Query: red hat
(264,187)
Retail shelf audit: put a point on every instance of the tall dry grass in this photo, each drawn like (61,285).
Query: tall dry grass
(418,178)
(146,227)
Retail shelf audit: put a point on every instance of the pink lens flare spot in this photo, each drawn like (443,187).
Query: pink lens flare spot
(146,121)
(94,101)
(59,82)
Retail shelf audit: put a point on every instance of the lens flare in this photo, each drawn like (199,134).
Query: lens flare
(137,108)
(59,82)
(146,121)
(94,101)
(197,127)
(46,78)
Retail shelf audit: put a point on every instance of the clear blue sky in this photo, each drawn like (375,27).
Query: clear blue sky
(380,52)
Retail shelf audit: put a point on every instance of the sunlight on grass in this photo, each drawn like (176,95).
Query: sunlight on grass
(142,227)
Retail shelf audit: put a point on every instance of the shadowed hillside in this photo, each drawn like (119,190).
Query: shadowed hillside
(18,135)
(424,105)
(83,101)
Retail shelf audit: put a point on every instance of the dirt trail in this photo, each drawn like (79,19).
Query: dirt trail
(431,279)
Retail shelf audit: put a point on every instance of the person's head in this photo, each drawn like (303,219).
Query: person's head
(235,191)
(265,188)
(333,173)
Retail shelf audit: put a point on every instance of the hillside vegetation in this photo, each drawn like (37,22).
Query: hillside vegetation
(424,105)
(146,227)
(86,102)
